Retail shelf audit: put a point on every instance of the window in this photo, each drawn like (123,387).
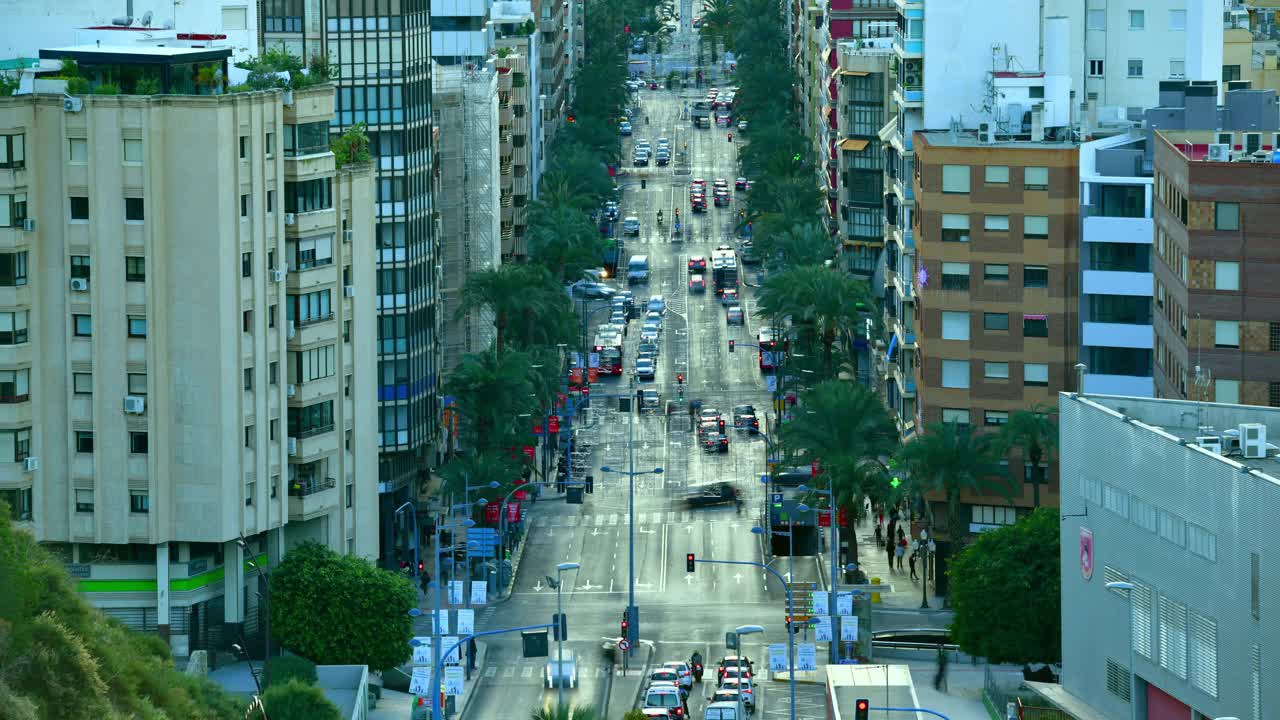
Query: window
(246,321)
(959,416)
(995,321)
(84,500)
(139,502)
(1172,619)
(955,178)
(244,147)
(306,138)
(996,175)
(310,307)
(82,383)
(137,326)
(273,429)
(316,364)
(1035,326)
(955,325)
(82,325)
(1097,19)
(995,370)
(1095,68)
(1115,500)
(13,209)
(1226,333)
(1202,653)
(1135,67)
(137,383)
(246,264)
(77,151)
(248,436)
(1274,339)
(1173,528)
(79,208)
(1255,586)
(13,269)
(244,206)
(135,268)
(132,151)
(13,151)
(15,445)
(955,276)
(311,420)
(955,228)
(275,483)
(15,385)
(13,327)
(271,201)
(80,267)
(1226,216)
(1177,19)
(84,441)
(307,196)
(995,273)
(1177,68)
(1226,275)
(271,316)
(273,373)
(138,443)
(133,211)
(1137,19)
(995,223)
(1230,73)
(993,514)
(955,374)
(1035,276)
(234,18)
(269,143)
(1143,514)
(1036,374)
(1035,178)
(350,488)
(1202,542)
(1226,391)
(248,378)
(250,489)
(309,252)
(1035,226)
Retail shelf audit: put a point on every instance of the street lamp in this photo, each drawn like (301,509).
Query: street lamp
(1128,587)
(435,619)
(738,632)
(631,532)
(926,547)
(560,631)
(266,598)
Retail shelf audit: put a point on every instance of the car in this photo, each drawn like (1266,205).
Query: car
(618,327)
(669,675)
(618,317)
(662,158)
(697,184)
(733,315)
(740,184)
(645,369)
(562,670)
(735,672)
(725,710)
(733,661)
(653,85)
(729,296)
(721,198)
(709,494)
(653,316)
(744,687)
(697,284)
(667,697)
(720,183)
(631,225)
(647,348)
(657,304)
(708,413)
(640,158)
(715,442)
(681,668)
(697,263)
(698,202)
(650,400)
(592,290)
(611,211)
(658,713)
(663,142)
(742,411)
(648,334)
(624,128)
(642,144)
(707,427)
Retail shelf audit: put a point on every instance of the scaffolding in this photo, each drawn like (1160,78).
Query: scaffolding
(465,99)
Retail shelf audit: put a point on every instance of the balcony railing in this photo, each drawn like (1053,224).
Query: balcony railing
(312,432)
(11,399)
(310,486)
(301,323)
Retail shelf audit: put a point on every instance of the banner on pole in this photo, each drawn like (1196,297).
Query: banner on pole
(420,681)
(455,595)
(820,600)
(806,656)
(455,656)
(479,592)
(778,657)
(466,622)
(422,651)
(844,603)
(822,631)
(442,621)
(849,628)
(453,681)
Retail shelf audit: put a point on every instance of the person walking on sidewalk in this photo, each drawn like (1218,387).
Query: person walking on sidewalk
(901,550)
(879,534)
(889,550)
(940,679)
(912,562)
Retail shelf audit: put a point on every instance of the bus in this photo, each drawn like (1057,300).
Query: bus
(610,351)
(724,269)
(887,686)
(773,347)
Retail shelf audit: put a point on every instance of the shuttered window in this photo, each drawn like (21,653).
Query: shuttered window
(1255,681)
(1117,680)
(1173,636)
(1202,653)
(1115,500)
(1110,575)
(1140,619)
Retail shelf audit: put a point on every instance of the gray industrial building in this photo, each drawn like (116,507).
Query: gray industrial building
(1178,498)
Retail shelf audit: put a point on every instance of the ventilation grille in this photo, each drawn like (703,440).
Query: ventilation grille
(1203,653)
(1117,680)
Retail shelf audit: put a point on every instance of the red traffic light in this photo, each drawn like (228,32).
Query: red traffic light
(689,562)
(680,378)
(420,566)
(861,709)
(730,346)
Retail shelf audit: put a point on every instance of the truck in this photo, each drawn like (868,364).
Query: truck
(700,114)
(724,269)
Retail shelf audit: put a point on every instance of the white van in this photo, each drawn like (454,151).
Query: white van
(638,270)
(723,711)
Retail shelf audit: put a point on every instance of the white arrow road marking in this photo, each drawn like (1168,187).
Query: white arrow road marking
(491,671)
(688,528)
(644,585)
(526,671)
(738,577)
(688,579)
(509,671)
(588,586)
(538,586)
(647,531)
(787,576)
(595,532)
(550,532)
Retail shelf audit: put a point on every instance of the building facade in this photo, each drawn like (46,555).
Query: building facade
(189,314)
(1191,528)
(860,92)
(1217,320)
(1251,42)
(519,147)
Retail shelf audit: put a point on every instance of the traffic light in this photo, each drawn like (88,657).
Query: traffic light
(689,562)
(571,118)
(730,346)
(591,483)
(643,183)
(560,626)
(420,567)
(625,626)
(861,709)
(679,378)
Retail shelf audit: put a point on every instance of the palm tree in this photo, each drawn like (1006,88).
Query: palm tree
(564,240)
(807,244)
(1035,433)
(478,468)
(491,391)
(826,300)
(847,430)
(514,293)
(563,712)
(953,458)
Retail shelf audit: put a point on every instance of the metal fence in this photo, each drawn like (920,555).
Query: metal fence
(1001,695)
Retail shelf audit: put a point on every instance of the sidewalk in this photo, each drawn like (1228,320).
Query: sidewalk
(872,559)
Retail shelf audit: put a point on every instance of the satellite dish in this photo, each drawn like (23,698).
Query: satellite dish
(146,19)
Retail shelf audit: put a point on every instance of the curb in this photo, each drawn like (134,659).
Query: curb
(482,649)
(606,690)
(648,661)
(515,566)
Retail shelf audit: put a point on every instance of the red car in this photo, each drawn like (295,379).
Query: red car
(697,185)
(740,184)
(697,264)
(699,202)
(653,86)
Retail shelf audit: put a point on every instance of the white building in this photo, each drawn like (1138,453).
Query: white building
(460,31)
(196,306)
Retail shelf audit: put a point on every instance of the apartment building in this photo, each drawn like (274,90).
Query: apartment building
(551,92)
(1190,526)
(1217,320)
(997,282)
(382,52)
(460,31)
(853,162)
(188,315)
(1251,44)
(519,126)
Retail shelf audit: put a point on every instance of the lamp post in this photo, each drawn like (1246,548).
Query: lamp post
(831,596)
(559,632)
(631,536)
(926,547)
(1128,587)
(417,539)
(266,599)
(435,618)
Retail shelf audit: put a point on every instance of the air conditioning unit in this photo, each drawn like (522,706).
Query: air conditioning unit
(346,236)
(80,284)
(1212,443)
(1219,152)
(293,330)
(135,404)
(277,276)
(293,446)
(29,225)
(72,104)
(1253,440)
(291,390)
(986,133)
(349,290)
(290,218)
(31,464)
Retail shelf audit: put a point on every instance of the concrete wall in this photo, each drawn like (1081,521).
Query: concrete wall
(958,42)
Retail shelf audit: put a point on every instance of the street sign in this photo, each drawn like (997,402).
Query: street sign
(422,651)
(575,376)
(454,657)
(844,603)
(820,599)
(420,681)
(822,631)
(492,511)
(453,681)
(486,539)
(456,588)
(553,424)
(537,428)
(593,360)
(775,497)
(806,656)
(593,375)
(771,382)
(442,621)
(513,512)
(731,641)
(624,645)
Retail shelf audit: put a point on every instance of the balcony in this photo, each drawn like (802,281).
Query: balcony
(1110,282)
(907,47)
(310,498)
(1100,228)
(1126,385)
(1124,335)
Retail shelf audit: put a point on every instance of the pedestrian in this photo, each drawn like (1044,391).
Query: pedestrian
(901,549)
(879,534)
(889,550)
(912,561)
(940,679)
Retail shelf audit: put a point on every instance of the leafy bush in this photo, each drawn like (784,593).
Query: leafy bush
(296,700)
(352,146)
(287,668)
(8,85)
(77,86)
(147,86)
(107,89)
(265,70)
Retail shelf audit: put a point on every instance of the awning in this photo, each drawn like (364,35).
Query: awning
(854,144)
(853,73)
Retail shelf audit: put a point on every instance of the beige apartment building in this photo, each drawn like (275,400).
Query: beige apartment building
(517,99)
(190,333)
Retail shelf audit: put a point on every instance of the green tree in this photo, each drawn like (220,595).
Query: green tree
(479,469)
(287,668)
(1035,434)
(523,298)
(635,714)
(352,146)
(315,590)
(826,301)
(296,700)
(564,240)
(808,244)
(563,712)
(60,658)
(953,458)
(491,392)
(1010,573)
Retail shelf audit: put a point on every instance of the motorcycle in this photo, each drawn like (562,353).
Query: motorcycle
(695,664)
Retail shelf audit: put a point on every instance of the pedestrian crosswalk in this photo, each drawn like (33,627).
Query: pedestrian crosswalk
(533,669)
(658,517)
